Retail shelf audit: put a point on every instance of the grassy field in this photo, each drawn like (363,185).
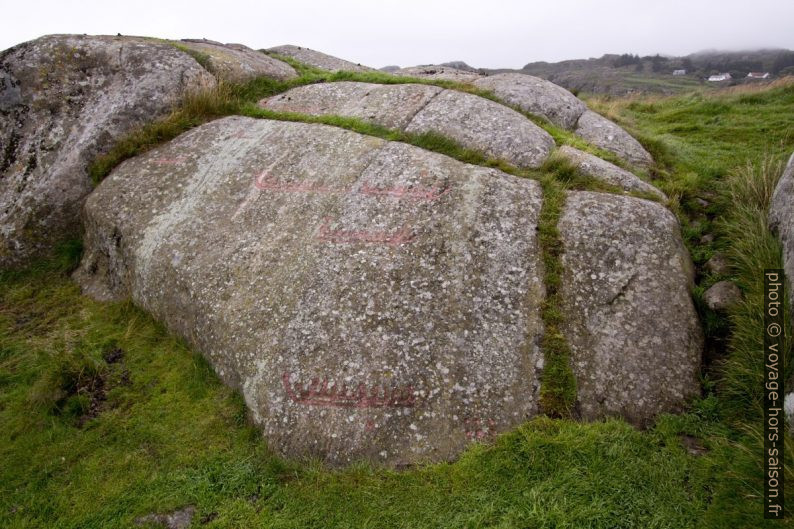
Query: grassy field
(107,418)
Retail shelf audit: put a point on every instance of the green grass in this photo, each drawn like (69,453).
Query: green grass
(96,438)
(746,193)
(168,434)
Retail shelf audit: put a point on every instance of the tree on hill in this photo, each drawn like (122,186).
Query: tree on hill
(658,63)
(626,59)
(783,61)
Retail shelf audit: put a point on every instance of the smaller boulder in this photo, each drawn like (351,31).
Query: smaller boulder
(606,172)
(318,59)
(718,264)
(237,63)
(536,96)
(603,133)
(722,296)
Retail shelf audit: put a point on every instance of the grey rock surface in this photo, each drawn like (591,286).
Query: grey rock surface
(722,296)
(474,122)
(237,63)
(536,96)
(318,59)
(630,322)
(781,222)
(603,133)
(446,73)
(64,100)
(607,172)
(372,300)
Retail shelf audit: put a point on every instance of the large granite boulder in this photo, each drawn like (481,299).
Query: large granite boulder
(472,121)
(237,63)
(318,59)
(372,300)
(536,96)
(630,322)
(445,73)
(607,172)
(603,133)
(63,100)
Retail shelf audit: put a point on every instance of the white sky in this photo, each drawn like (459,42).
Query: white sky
(492,33)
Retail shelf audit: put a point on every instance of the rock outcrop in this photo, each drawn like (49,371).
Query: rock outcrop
(237,63)
(607,172)
(630,322)
(446,73)
(318,59)
(371,299)
(474,122)
(536,96)
(64,100)
(603,133)
(781,222)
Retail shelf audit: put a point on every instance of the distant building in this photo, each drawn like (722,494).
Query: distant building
(679,72)
(758,75)
(720,77)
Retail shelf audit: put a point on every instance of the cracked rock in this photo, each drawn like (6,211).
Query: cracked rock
(630,322)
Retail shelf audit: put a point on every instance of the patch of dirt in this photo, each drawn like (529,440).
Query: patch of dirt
(96,388)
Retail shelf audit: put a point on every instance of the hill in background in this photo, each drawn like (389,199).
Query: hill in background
(628,73)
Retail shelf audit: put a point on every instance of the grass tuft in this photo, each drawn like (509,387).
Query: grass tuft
(747,192)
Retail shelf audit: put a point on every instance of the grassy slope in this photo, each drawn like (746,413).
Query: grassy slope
(167,434)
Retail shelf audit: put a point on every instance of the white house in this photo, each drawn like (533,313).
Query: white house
(720,77)
(679,72)
(758,75)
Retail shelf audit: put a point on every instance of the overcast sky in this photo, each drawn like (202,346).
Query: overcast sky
(484,33)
